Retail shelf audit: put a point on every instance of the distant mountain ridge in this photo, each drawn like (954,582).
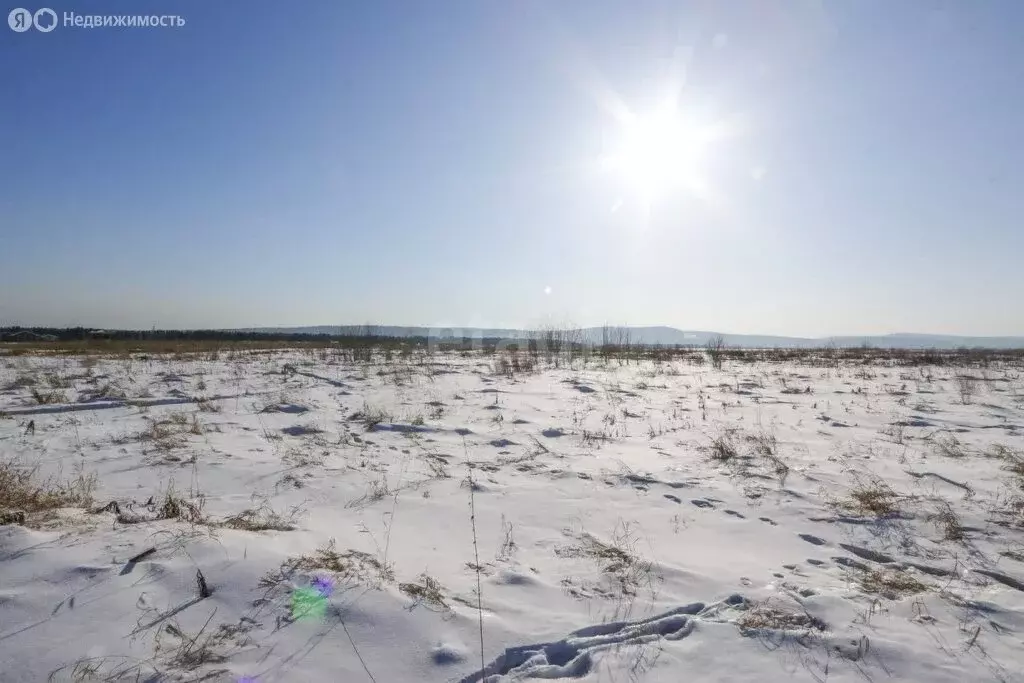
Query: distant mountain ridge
(671,336)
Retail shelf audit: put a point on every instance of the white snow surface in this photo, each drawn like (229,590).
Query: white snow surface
(610,544)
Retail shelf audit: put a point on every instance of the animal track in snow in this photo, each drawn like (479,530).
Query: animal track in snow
(573,656)
(812,539)
(866,553)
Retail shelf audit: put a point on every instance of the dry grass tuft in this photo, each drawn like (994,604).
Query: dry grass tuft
(20,382)
(174,506)
(108,668)
(49,397)
(949,447)
(371,416)
(207,406)
(427,592)
(169,434)
(22,490)
(947,521)
(723,447)
(263,518)
(776,616)
(618,558)
(767,447)
(874,498)
(891,583)
(350,565)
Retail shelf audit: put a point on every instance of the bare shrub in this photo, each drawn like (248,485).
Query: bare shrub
(949,446)
(180,650)
(723,447)
(503,367)
(947,521)
(967,387)
(895,431)
(714,349)
(1014,459)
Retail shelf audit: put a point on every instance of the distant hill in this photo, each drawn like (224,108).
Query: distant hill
(671,336)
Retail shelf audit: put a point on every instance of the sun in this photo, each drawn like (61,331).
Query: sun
(660,154)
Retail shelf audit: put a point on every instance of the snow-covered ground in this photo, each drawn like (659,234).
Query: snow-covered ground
(622,521)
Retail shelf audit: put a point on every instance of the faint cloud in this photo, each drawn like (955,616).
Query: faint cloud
(547,290)
(758,172)
(720,40)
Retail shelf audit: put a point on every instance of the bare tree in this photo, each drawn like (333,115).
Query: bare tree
(714,349)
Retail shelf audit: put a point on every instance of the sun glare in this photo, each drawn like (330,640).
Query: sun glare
(660,154)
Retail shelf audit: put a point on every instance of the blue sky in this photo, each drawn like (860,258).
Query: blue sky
(444,163)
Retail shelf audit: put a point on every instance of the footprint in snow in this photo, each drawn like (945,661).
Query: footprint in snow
(768,521)
(574,655)
(447,653)
(674,499)
(850,563)
(813,540)
(735,514)
(701,503)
